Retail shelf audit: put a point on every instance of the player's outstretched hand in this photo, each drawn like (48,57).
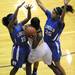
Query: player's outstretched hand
(28,6)
(66,2)
(21,4)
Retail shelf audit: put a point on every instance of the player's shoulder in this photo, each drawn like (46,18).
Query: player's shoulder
(48,13)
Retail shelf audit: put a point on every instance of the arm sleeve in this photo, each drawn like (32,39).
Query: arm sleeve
(48,13)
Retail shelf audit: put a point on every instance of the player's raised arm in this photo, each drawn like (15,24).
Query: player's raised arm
(28,7)
(14,16)
(64,9)
(41,5)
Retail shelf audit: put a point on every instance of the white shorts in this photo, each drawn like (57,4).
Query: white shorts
(42,52)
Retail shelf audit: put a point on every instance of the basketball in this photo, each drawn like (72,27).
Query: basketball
(30,31)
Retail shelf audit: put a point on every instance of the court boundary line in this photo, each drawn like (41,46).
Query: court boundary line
(71,53)
(4,66)
(68,32)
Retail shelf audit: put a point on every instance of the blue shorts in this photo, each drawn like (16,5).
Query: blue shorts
(19,55)
(56,50)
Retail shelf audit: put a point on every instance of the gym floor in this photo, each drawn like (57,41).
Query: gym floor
(67,37)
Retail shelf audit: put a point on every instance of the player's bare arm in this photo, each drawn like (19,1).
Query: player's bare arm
(41,5)
(64,10)
(10,26)
(28,7)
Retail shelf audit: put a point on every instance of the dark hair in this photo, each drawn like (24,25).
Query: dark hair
(35,22)
(6,20)
(59,10)
(9,16)
(69,8)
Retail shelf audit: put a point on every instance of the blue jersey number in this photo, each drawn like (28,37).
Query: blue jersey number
(23,39)
(47,32)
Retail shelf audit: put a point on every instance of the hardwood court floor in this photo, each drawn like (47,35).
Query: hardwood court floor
(67,37)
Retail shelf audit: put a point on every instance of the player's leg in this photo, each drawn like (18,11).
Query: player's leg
(13,61)
(35,68)
(58,65)
(14,71)
(32,58)
(54,69)
(19,58)
(36,55)
(57,57)
(28,64)
(48,59)
(28,68)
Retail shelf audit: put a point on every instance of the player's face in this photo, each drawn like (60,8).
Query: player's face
(54,15)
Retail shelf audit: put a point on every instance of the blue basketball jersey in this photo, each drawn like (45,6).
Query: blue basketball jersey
(52,31)
(21,48)
(53,28)
(18,35)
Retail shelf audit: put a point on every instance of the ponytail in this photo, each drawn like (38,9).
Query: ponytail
(69,8)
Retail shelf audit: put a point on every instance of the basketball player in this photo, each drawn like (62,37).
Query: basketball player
(40,49)
(35,22)
(52,30)
(21,48)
